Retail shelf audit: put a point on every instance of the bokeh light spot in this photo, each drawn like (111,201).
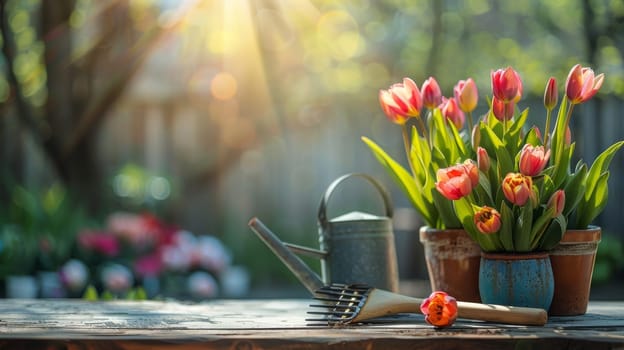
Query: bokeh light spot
(223,86)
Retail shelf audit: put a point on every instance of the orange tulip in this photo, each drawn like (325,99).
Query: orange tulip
(466,95)
(401,101)
(533,159)
(450,110)
(440,309)
(551,96)
(487,220)
(518,188)
(506,85)
(581,84)
(431,93)
(557,201)
(458,180)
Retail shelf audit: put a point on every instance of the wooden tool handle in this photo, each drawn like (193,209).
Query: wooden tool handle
(382,303)
(502,314)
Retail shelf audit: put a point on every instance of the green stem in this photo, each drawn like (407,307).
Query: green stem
(469,123)
(547,128)
(406,143)
(424,130)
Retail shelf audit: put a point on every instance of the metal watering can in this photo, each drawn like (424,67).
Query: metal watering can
(355,247)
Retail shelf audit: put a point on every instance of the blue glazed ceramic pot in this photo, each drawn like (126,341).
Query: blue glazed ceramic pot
(516,279)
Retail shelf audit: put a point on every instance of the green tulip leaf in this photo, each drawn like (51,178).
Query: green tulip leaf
(553,234)
(403,178)
(522,228)
(506,230)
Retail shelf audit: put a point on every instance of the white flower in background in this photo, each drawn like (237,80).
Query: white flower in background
(175,259)
(74,274)
(213,255)
(117,278)
(202,285)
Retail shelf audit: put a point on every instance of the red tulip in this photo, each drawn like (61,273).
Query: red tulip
(457,181)
(466,95)
(557,201)
(450,110)
(401,101)
(506,85)
(431,93)
(581,84)
(518,188)
(487,220)
(440,309)
(533,159)
(551,96)
(503,110)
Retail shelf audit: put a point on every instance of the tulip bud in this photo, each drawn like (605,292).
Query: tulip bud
(581,84)
(401,101)
(476,136)
(483,159)
(440,309)
(557,201)
(466,95)
(506,85)
(431,93)
(518,188)
(487,220)
(503,110)
(533,159)
(551,95)
(452,113)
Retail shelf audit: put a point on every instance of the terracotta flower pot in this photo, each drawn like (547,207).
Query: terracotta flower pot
(573,261)
(453,260)
(517,279)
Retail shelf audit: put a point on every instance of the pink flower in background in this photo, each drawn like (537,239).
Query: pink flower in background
(148,265)
(450,110)
(213,255)
(101,242)
(431,93)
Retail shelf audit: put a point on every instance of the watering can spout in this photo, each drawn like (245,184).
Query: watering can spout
(302,271)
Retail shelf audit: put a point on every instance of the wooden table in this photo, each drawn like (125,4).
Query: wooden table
(279,324)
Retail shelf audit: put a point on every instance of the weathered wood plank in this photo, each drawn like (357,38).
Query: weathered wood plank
(69,324)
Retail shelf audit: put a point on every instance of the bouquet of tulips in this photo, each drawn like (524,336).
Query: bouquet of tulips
(510,188)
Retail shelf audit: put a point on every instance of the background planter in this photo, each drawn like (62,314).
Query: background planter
(573,262)
(517,279)
(453,260)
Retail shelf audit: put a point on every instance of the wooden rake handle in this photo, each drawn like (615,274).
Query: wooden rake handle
(381,302)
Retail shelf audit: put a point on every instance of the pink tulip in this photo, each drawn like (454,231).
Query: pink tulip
(581,84)
(557,201)
(506,85)
(431,93)
(551,95)
(458,180)
(450,110)
(487,220)
(533,159)
(503,110)
(518,188)
(466,95)
(401,101)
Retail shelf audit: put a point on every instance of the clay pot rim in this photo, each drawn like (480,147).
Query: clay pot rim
(430,233)
(590,234)
(514,256)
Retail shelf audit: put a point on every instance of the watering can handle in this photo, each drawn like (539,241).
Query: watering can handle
(322,213)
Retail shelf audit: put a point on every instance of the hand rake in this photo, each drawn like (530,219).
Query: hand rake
(346,304)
